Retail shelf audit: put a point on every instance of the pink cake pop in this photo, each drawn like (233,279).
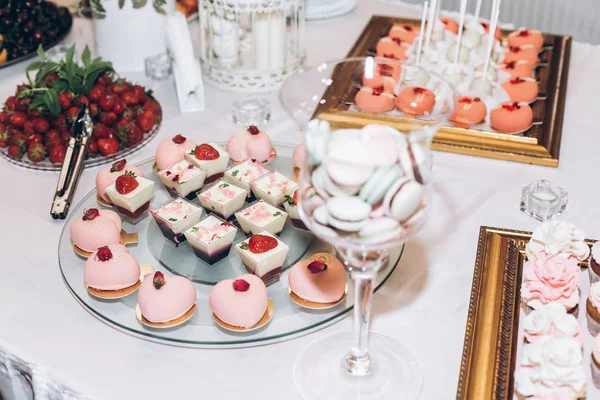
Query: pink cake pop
(374,101)
(518,69)
(511,117)
(405,33)
(415,100)
(521,89)
(525,52)
(526,36)
(468,111)
(392,48)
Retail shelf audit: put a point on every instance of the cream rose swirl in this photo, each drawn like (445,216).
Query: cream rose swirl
(559,237)
(552,319)
(551,279)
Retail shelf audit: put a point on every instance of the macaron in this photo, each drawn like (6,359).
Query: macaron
(347,174)
(518,69)
(403,199)
(415,100)
(349,214)
(376,187)
(380,83)
(381,230)
(526,36)
(374,101)
(468,111)
(525,52)
(511,117)
(521,89)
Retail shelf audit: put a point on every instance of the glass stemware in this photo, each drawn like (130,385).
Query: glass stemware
(365,191)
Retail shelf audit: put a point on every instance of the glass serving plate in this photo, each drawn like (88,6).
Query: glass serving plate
(289,320)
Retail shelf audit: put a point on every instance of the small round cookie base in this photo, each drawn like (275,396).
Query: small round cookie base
(126,238)
(103,202)
(145,269)
(265,162)
(268,315)
(311,305)
(163,325)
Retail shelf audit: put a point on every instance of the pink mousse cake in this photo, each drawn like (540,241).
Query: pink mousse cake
(211,238)
(96,228)
(241,302)
(251,144)
(171,150)
(320,279)
(164,297)
(108,175)
(111,267)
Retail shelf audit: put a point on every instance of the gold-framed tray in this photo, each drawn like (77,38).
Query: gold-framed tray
(540,144)
(493,337)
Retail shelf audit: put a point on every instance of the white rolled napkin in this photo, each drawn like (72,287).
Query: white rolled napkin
(186,67)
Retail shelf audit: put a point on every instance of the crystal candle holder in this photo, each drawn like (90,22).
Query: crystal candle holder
(543,200)
(158,66)
(251,111)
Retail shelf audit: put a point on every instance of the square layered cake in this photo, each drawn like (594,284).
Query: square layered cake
(260,217)
(291,206)
(211,158)
(241,175)
(174,217)
(183,178)
(223,198)
(211,238)
(132,205)
(263,255)
(273,188)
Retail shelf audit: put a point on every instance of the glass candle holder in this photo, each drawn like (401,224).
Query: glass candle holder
(251,111)
(543,200)
(158,66)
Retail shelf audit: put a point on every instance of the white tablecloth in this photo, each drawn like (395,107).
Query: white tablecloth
(424,304)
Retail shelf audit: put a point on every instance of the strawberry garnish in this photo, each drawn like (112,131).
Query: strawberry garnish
(179,139)
(240,285)
(104,254)
(317,266)
(524,33)
(419,90)
(126,183)
(515,49)
(118,166)
(392,56)
(465,100)
(253,130)
(511,106)
(159,280)
(90,214)
(261,244)
(476,99)
(510,65)
(397,41)
(206,152)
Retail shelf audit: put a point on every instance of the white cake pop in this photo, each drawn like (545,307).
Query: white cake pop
(492,74)
(473,34)
(481,87)
(463,54)
(415,76)
(455,74)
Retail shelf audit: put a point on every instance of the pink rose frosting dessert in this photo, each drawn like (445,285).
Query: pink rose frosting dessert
(111,267)
(107,176)
(163,297)
(241,302)
(558,237)
(96,228)
(171,150)
(251,143)
(320,279)
(551,320)
(550,278)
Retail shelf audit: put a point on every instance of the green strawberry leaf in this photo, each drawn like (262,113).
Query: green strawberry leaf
(51,99)
(34,66)
(86,56)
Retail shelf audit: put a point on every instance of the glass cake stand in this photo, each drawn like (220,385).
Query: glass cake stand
(289,319)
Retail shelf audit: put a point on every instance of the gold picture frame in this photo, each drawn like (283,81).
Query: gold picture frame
(491,335)
(539,145)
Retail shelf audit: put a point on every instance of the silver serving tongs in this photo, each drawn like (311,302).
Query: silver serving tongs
(73,164)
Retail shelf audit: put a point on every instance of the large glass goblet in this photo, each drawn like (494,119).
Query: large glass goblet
(364,190)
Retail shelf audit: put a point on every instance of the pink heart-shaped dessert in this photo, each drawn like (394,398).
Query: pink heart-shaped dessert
(326,286)
(102,230)
(170,301)
(117,271)
(237,307)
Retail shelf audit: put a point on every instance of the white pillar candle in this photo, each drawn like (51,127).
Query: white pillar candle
(261,32)
(277,36)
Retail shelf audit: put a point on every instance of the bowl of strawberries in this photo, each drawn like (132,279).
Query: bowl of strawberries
(37,121)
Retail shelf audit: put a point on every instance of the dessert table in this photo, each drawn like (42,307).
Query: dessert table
(424,304)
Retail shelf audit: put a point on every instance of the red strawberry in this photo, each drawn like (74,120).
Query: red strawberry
(50,144)
(108,118)
(71,114)
(51,134)
(18,139)
(253,130)
(35,112)
(34,138)
(51,77)
(61,122)
(153,106)
(241,285)
(261,244)
(108,146)
(206,152)
(134,136)
(120,86)
(130,98)
(140,93)
(179,139)
(28,128)
(18,118)
(111,133)
(317,266)
(65,136)
(158,280)
(119,107)
(107,102)
(81,100)
(4,118)
(65,99)
(94,110)
(90,214)
(3,136)
(92,146)
(104,80)
(118,166)
(20,88)
(57,154)
(37,152)
(13,130)
(41,125)
(145,121)
(126,183)
(22,104)
(15,152)
(11,104)
(96,92)
(129,114)
(104,254)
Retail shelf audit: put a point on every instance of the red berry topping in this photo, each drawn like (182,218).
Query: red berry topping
(118,166)
(317,266)
(392,56)
(90,214)
(253,130)
(179,139)
(511,106)
(104,254)
(159,280)
(397,41)
(465,100)
(476,99)
(378,90)
(191,166)
(510,65)
(206,152)
(175,178)
(261,244)
(515,49)
(524,33)
(419,90)
(126,183)
(240,285)
(517,80)
(408,28)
